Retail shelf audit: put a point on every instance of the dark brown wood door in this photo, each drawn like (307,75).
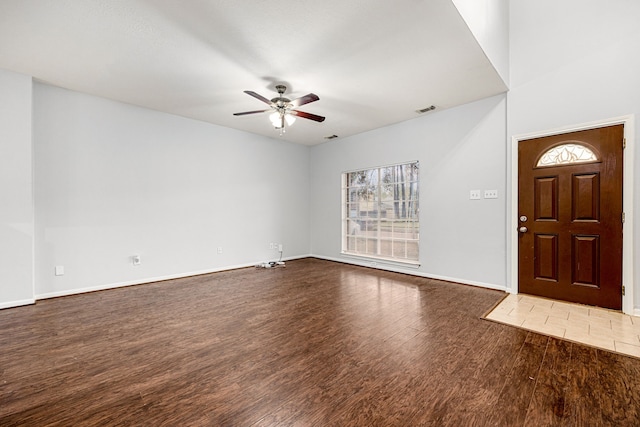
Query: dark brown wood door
(570,224)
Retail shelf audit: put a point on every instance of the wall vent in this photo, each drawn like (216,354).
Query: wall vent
(426,110)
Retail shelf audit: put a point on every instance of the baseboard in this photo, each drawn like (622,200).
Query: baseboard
(148,280)
(380,265)
(11,304)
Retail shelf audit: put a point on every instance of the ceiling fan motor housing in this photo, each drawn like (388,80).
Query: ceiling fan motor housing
(281,101)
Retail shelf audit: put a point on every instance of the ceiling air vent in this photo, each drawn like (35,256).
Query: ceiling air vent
(331,137)
(425,110)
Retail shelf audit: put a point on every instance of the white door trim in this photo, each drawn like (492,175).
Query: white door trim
(627,194)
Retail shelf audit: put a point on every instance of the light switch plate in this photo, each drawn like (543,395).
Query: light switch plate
(490,194)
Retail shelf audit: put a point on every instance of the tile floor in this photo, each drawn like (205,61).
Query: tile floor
(598,327)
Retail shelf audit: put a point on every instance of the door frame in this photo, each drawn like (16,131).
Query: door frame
(627,204)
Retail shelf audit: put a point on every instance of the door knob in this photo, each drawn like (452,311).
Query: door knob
(523,229)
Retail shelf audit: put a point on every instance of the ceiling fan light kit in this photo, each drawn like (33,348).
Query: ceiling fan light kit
(283,109)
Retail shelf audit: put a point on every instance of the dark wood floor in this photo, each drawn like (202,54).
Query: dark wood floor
(314,344)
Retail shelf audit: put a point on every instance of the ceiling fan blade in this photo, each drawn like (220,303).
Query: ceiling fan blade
(251,112)
(309,116)
(258,96)
(304,100)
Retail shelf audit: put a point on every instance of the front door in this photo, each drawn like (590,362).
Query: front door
(570,216)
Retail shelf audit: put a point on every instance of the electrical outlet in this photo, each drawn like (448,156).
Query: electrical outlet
(474,194)
(59,270)
(219,250)
(280,247)
(490,194)
(136,260)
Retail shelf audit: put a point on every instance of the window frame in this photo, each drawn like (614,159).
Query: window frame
(542,163)
(411,222)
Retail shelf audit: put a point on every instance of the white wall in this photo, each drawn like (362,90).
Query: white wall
(459,150)
(114,180)
(488,21)
(16,195)
(574,62)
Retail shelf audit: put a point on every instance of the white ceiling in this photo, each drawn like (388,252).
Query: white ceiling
(371,62)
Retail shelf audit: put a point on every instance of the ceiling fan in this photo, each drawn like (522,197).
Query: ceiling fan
(283,109)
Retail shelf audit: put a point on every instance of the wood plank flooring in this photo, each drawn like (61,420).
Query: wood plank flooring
(316,343)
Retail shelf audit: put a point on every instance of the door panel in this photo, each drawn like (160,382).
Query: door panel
(586,197)
(586,253)
(546,199)
(546,259)
(570,241)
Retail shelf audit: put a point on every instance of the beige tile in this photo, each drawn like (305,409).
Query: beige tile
(532,317)
(579,309)
(544,328)
(501,317)
(576,330)
(505,309)
(568,324)
(559,312)
(571,307)
(523,307)
(508,302)
(588,320)
(542,302)
(601,328)
(617,335)
(609,315)
(535,321)
(626,328)
(510,299)
(541,309)
(633,350)
(629,337)
(605,343)
(624,322)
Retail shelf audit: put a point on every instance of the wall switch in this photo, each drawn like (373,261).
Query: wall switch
(59,270)
(272,246)
(490,194)
(474,195)
(136,260)
(219,250)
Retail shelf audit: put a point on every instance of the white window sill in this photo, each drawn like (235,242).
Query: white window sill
(379,260)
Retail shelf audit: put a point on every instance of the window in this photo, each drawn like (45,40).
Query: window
(567,154)
(380,212)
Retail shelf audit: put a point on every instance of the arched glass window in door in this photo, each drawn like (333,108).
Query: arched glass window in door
(567,154)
